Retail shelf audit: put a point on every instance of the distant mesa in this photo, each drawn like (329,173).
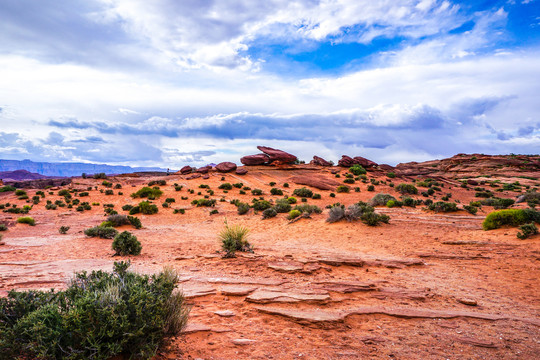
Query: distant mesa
(268,156)
(19,175)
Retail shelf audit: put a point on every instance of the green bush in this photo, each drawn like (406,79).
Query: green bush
(26,220)
(238,185)
(484,194)
(303,192)
(318,196)
(63,229)
(343,189)
(408,201)
(7,188)
(225,186)
(527,230)
(498,203)
(441,206)
(391,175)
(99,316)
(256,192)
(104,232)
(349,181)
(371,188)
(170,200)
(260,205)
(360,211)
(511,217)
(204,202)
(381,199)
(407,189)
(157,182)
(286,185)
(269,213)
(20,192)
(242,208)
(291,200)
(276,191)
(293,214)
(308,209)
(214,211)
(233,239)
(282,206)
(3,227)
(470,209)
(357,170)
(147,192)
(126,243)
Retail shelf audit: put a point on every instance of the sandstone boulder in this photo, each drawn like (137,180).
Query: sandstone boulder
(346,161)
(240,171)
(252,160)
(320,161)
(204,169)
(186,170)
(278,155)
(364,162)
(226,166)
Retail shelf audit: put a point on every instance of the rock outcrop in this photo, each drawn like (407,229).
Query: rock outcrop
(186,170)
(204,169)
(226,166)
(347,161)
(241,171)
(320,161)
(39,184)
(253,160)
(278,155)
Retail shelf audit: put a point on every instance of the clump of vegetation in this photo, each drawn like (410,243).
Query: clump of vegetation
(214,211)
(126,243)
(357,170)
(225,186)
(27,220)
(360,211)
(318,196)
(256,192)
(391,175)
(498,203)
(441,206)
(526,231)
(144,207)
(343,189)
(120,220)
(276,191)
(471,209)
(269,213)
(261,205)
(104,232)
(147,192)
(99,316)
(483,194)
(293,214)
(63,229)
(3,227)
(233,239)
(242,208)
(308,209)
(404,188)
(371,188)
(7,188)
(204,202)
(510,217)
(282,206)
(303,192)
(157,182)
(381,199)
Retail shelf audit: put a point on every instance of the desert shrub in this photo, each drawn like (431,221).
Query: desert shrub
(3,227)
(179,211)
(225,186)
(106,183)
(63,229)
(408,201)
(317,196)
(157,182)
(84,193)
(276,191)
(242,208)
(170,200)
(35,199)
(511,217)
(291,200)
(127,207)
(99,176)
(343,189)
(470,209)
(20,192)
(272,183)
(282,206)
(256,192)
(269,213)
(497,203)
(303,192)
(104,232)
(26,220)
(204,202)
(126,243)
(308,209)
(391,175)
(483,194)
(214,211)
(293,214)
(178,188)
(441,206)
(381,199)
(100,315)
(373,219)
(233,239)
(360,211)
(286,185)
(349,181)
(527,230)
(404,188)
(51,206)
(336,213)
(109,192)
(118,186)
(371,188)
(7,188)
(260,205)
(357,170)
(147,192)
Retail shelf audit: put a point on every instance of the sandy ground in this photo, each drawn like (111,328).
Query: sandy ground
(424,286)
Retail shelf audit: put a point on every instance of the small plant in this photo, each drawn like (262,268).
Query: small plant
(441,206)
(303,192)
(233,239)
(104,232)
(357,170)
(157,182)
(371,188)
(391,175)
(20,192)
(282,206)
(204,202)
(404,188)
(332,195)
(286,185)
(63,229)
(260,205)
(109,192)
(7,188)
(242,208)
(308,209)
(276,191)
(511,217)
(316,196)
(238,185)
(343,189)
(269,213)
(126,243)
(470,209)
(293,214)
(213,212)
(526,231)
(256,192)
(225,186)
(3,227)
(179,211)
(147,192)
(381,199)
(26,220)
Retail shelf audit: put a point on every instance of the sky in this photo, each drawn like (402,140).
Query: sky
(175,82)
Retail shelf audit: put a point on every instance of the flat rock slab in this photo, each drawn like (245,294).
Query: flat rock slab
(454,257)
(194,327)
(243,342)
(338,260)
(475,342)
(225,313)
(192,290)
(384,293)
(268,296)
(237,290)
(251,281)
(290,266)
(346,287)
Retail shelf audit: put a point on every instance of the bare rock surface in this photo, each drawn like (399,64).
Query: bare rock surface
(316,181)
(275,296)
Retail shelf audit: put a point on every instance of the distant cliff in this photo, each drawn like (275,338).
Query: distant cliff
(69,169)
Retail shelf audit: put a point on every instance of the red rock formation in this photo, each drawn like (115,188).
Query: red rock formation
(320,161)
(315,181)
(276,154)
(346,161)
(258,159)
(204,169)
(241,171)
(226,166)
(366,163)
(186,170)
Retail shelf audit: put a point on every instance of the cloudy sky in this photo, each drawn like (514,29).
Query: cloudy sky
(175,82)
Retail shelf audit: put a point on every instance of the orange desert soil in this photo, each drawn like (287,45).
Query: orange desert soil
(425,286)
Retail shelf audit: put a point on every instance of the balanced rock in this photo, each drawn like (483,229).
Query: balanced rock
(226,167)
(186,170)
(346,161)
(278,155)
(252,160)
(320,161)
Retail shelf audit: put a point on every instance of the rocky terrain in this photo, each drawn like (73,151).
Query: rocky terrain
(426,285)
